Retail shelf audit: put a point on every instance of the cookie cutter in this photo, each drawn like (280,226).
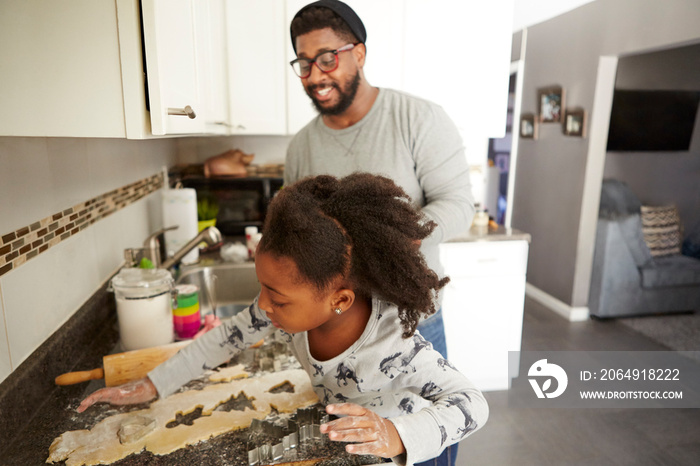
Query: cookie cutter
(303,432)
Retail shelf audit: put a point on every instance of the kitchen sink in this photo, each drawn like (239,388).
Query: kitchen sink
(228,287)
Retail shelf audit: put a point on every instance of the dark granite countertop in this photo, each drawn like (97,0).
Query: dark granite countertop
(34,411)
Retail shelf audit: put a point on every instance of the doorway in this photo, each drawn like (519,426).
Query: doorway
(502,155)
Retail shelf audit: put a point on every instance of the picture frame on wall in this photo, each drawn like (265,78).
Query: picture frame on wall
(528,126)
(575,122)
(550,101)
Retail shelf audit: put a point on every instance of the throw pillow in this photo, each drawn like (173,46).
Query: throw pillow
(661,226)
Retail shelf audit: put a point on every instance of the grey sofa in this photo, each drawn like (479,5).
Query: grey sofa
(626,279)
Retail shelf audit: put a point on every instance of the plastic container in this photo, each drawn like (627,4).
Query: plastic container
(250,233)
(144,307)
(481,217)
(186,317)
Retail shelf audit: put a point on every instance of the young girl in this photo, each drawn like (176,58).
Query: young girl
(341,274)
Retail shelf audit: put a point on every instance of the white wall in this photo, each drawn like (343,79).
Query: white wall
(42,176)
(531,12)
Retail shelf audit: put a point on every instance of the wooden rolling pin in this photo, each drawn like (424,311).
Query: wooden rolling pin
(124,367)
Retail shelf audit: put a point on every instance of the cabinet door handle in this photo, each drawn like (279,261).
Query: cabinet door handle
(187,111)
(223,123)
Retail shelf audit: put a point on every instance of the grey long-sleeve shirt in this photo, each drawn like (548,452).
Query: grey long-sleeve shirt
(431,404)
(405,138)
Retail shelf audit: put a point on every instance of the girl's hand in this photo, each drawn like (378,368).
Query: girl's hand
(138,391)
(377,435)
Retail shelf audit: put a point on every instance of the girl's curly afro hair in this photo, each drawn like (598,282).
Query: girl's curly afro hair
(362,229)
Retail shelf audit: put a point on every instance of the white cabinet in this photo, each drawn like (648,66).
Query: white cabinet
(483,307)
(212,65)
(184,42)
(75,68)
(256,66)
(59,69)
(88,74)
(174,81)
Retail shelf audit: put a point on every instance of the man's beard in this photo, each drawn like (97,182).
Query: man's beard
(346,97)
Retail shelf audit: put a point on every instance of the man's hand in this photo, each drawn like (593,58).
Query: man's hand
(138,391)
(377,435)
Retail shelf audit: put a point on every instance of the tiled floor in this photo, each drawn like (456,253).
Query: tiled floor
(582,436)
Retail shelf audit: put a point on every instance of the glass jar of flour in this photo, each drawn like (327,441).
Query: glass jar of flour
(144,307)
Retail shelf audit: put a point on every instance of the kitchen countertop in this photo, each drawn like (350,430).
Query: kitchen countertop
(28,428)
(34,411)
(490,234)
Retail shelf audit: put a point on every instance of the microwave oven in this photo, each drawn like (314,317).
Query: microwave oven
(241,201)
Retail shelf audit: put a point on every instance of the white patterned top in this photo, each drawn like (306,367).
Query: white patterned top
(431,404)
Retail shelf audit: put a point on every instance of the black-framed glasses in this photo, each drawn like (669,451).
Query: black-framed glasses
(326,61)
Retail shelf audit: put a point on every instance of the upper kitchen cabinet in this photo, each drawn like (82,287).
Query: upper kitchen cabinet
(256,34)
(59,69)
(135,69)
(212,51)
(174,81)
(75,68)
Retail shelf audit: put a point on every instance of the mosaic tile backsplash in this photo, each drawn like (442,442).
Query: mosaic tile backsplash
(19,246)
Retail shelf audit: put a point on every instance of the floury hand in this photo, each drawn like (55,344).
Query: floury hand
(138,391)
(375,434)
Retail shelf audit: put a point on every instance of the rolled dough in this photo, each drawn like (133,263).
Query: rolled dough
(135,428)
(101,444)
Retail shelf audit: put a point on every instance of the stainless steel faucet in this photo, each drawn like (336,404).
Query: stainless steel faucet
(151,246)
(150,250)
(210,235)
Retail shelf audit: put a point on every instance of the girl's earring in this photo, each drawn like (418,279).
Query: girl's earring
(338,310)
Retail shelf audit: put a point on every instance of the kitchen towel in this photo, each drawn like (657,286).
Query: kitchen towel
(180,208)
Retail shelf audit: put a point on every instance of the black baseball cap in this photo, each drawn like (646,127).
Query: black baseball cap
(341,9)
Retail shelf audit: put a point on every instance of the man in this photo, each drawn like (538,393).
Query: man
(381,131)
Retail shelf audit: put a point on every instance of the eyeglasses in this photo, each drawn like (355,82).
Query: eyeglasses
(326,61)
